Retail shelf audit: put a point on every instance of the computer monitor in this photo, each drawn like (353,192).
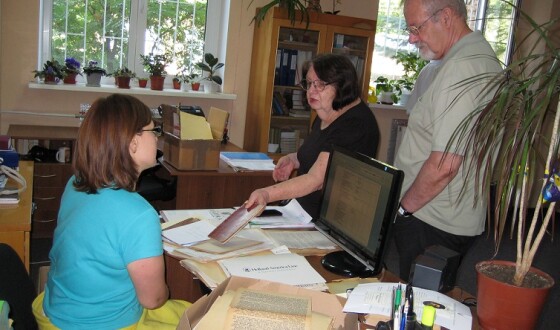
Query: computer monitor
(360,201)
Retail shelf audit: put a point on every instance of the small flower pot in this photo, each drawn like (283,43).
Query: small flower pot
(70,78)
(50,79)
(93,79)
(176,84)
(195,86)
(156,83)
(142,83)
(123,82)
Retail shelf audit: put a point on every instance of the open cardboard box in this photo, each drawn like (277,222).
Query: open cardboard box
(321,302)
(192,153)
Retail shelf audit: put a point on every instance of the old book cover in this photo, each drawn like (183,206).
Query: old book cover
(234,223)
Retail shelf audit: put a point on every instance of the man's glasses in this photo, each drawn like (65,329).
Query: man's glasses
(318,84)
(157,130)
(415,30)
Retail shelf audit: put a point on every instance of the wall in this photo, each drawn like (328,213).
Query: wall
(18,57)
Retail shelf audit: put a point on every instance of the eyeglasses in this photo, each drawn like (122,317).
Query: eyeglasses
(415,30)
(318,84)
(157,130)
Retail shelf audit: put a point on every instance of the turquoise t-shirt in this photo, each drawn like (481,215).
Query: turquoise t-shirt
(96,237)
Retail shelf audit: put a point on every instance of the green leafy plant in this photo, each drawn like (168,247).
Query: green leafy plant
(384,84)
(211,65)
(521,125)
(412,65)
(124,72)
(292,7)
(50,68)
(155,64)
(93,67)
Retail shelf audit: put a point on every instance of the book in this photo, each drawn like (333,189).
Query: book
(247,161)
(234,223)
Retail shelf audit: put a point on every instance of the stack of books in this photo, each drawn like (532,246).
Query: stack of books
(247,161)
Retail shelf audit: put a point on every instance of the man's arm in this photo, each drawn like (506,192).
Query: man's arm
(435,175)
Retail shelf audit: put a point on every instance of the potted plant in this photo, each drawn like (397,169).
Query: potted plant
(412,64)
(521,125)
(155,66)
(71,70)
(93,74)
(123,76)
(193,80)
(51,72)
(210,65)
(388,90)
(292,7)
(142,82)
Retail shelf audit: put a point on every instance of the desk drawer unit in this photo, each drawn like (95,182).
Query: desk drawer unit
(49,180)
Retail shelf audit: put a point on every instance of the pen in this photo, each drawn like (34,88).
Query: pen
(398,295)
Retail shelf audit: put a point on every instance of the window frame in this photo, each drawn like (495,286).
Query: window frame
(215,35)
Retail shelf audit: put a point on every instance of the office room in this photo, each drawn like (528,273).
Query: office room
(21,104)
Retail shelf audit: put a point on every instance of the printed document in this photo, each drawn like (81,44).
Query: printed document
(286,268)
(189,234)
(293,216)
(377,298)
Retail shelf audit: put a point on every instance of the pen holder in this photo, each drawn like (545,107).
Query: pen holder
(388,325)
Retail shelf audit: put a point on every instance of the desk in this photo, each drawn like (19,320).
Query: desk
(183,285)
(221,188)
(15,220)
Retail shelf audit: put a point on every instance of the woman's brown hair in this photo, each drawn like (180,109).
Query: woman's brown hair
(101,156)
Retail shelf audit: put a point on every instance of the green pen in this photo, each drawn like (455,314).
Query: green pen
(398,296)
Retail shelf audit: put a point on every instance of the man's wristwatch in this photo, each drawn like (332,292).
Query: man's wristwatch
(403,212)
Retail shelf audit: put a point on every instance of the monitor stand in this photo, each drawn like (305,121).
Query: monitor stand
(343,263)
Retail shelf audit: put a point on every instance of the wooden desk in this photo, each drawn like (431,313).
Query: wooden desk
(221,188)
(183,285)
(15,220)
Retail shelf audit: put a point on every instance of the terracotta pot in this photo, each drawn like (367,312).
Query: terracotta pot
(176,84)
(505,306)
(50,79)
(156,83)
(123,82)
(143,83)
(195,86)
(70,78)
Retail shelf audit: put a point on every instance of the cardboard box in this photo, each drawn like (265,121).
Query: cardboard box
(191,154)
(324,303)
(188,154)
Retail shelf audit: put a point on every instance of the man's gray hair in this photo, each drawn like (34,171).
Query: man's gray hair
(457,6)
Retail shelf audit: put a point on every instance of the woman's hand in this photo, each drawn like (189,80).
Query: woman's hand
(258,197)
(285,167)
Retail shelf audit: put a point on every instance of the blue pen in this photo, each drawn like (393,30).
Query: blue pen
(403,315)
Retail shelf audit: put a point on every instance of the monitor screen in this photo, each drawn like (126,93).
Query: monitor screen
(360,201)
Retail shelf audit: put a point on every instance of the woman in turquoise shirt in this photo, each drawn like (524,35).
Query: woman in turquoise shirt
(107,269)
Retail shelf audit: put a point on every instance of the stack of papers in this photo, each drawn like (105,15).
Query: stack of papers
(248,161)
(377,298)
(188,234)
(293,216)
(285,268)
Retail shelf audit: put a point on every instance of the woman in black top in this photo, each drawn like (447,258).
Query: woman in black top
(343,119)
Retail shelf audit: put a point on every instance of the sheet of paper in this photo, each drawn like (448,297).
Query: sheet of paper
(235,243)
(293,216)
(377,298)
(189,234)
(301,239)
(213,216)
(217,118)
(194,127)
(286,268)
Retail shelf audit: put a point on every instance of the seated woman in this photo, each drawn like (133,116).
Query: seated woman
(107,269)
(343,119)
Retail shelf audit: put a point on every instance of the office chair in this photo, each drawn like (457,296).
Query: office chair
(16,288)
(154,188)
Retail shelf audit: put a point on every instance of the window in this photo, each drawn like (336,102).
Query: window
(116,32)
(493,17)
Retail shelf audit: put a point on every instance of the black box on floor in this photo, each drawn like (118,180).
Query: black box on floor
(436,269)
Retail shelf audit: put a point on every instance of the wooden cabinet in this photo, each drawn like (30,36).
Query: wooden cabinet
(49,180)
(277,112)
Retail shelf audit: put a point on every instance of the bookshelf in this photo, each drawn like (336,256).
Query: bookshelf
(276,106)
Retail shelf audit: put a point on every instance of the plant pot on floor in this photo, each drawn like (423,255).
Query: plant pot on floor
(156,83)
(505,306)
(93,80)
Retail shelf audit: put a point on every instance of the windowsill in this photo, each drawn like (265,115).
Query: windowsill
(81,87)
(387,106)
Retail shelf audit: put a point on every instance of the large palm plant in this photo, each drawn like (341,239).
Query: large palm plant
(520,124)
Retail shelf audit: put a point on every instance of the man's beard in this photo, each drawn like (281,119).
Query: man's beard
(425,51)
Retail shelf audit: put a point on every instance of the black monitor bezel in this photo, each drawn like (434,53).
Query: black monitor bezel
(373,261)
